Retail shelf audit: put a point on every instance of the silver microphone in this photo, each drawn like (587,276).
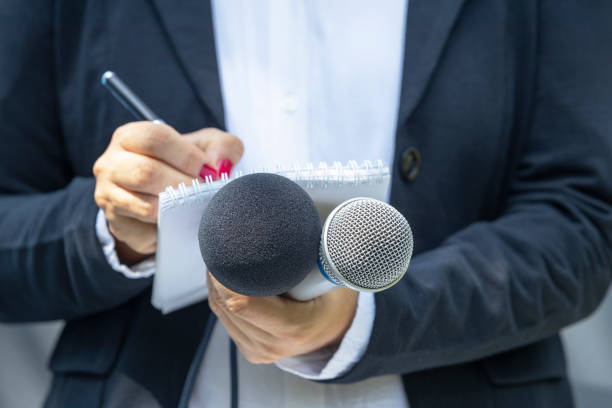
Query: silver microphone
(366,245)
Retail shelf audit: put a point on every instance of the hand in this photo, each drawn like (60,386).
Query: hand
(267,329)
(141,160)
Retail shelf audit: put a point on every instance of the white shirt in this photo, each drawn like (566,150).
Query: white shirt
(302,81)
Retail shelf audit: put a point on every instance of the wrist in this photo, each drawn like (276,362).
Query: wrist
(329,363)
(127,255)
(345,306)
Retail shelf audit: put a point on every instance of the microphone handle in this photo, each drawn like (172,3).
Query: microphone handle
(314,285)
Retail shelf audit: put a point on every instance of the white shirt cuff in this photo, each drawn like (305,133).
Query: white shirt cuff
(325,364)
(142,269)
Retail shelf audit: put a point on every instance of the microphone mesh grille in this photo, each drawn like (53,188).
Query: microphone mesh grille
(369,243)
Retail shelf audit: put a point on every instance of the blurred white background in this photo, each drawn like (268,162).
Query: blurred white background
(588,345)
(24,351)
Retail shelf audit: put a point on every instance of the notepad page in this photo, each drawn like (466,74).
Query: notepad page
(180,278)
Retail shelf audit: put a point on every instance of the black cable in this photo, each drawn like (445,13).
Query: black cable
(233,374)
(195,365)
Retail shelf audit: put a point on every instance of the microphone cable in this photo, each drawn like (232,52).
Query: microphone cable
(199,356)
(233,374)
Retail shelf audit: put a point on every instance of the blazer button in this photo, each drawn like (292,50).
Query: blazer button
(410,164)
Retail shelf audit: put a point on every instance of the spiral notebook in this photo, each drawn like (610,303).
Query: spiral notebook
(180,278)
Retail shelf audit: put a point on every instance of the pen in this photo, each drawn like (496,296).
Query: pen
(141,111)
(127,98)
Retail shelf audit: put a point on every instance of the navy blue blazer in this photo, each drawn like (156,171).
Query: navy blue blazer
(503,165)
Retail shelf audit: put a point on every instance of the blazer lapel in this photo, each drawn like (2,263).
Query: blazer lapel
(428,26)
(189,27)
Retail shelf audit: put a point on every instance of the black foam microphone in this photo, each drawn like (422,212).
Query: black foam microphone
(259,235)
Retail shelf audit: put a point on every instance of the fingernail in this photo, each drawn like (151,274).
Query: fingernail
(208,171)
(225,166)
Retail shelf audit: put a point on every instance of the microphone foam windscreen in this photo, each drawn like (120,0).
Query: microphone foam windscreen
(260,235)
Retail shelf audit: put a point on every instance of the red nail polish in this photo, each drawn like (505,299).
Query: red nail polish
(225,166)
(208,171)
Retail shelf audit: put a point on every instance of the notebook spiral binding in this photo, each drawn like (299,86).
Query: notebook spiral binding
(307,175)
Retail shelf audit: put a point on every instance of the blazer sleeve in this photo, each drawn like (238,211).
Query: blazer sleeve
(51,263)
(547,260)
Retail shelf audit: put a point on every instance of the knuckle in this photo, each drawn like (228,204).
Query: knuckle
(153,138)
(97,167)
(102,203)
(238,306)
(147,211)
(111,217)
(99,198)
(101,165)
(144,172)
(110,209)
(119,202)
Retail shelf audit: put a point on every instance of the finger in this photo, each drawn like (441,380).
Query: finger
(144,174)
(217,145)
(138,235)
(163,143)
(232,329)
(217,305)
(224,294)
(275,314)
(140,206)
(242,330)
(257,345)
(254,351)
(231,310)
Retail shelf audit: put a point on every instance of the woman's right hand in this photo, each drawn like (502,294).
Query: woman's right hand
(141,160)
